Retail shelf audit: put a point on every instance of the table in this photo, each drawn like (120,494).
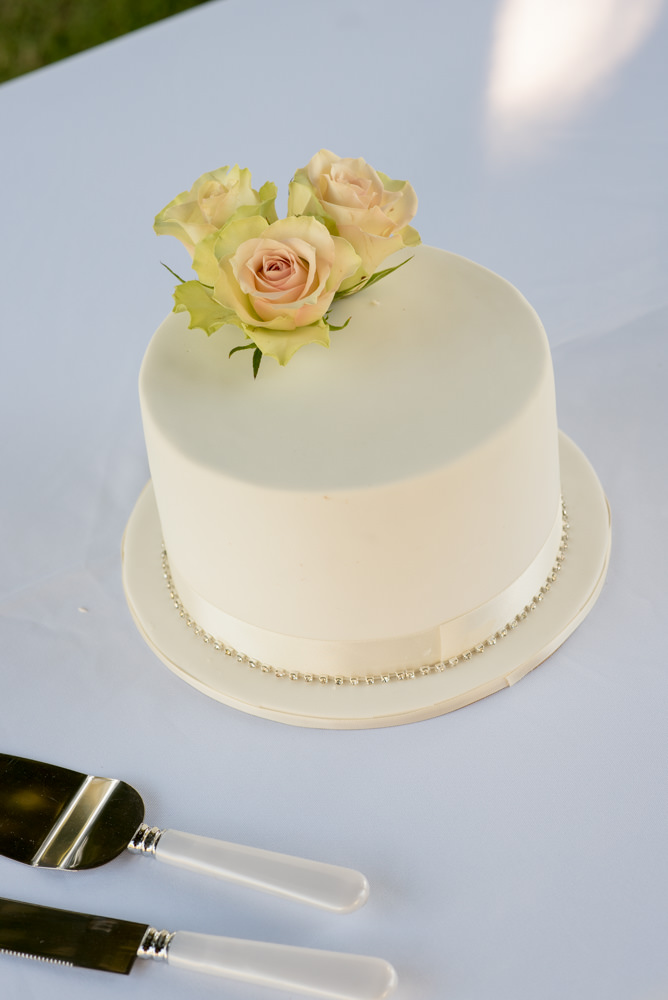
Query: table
(515,848)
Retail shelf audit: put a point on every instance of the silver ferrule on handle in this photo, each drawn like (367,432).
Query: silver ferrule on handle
(155,944)
(146,839)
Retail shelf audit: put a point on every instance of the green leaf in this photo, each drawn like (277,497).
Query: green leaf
(257,355)
(350,291)
(365,282)
(342,327)
(242,347)
(182,280)
(383,274)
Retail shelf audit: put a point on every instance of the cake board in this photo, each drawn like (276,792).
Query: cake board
(329,706)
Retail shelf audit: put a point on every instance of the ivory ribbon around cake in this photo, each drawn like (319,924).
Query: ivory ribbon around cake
(349,658)
(363,706)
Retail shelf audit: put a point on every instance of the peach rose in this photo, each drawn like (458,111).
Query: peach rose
(213,200)
(362,205)
(275,281)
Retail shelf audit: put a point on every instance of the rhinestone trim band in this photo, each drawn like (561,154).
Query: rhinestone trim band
(409,673)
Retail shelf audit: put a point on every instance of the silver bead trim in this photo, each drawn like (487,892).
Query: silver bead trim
(424,670)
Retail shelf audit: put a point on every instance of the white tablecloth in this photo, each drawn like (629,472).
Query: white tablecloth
(516,849)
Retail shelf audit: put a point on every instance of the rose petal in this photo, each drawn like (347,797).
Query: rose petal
(250,264)
(239,231)
(372,250)
(205,313)
(227,292)
(282,346)
(371,220)
(319,165)
(346,263)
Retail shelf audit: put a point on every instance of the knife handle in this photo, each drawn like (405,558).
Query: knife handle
(284,967)
(327,886)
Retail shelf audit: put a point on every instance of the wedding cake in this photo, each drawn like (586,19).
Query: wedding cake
(385,511)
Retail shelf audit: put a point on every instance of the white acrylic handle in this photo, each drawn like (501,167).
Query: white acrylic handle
(327,886)
(302,970)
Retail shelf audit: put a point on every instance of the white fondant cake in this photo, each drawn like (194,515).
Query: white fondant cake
(383,504)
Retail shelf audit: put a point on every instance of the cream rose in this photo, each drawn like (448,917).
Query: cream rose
(212,201)
(275,281)
(362,205)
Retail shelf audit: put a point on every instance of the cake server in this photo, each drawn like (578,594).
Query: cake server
(81,939)
(52,817)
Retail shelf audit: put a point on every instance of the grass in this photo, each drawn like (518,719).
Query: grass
(34,33)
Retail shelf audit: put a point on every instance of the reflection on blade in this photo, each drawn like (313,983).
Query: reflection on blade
(52,817)
(68,938)
(64,846)
(32,799)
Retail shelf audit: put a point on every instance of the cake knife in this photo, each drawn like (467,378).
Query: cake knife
(52,817)
(64,937)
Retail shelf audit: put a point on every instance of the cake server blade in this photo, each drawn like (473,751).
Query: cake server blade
(53,817)
(64,937)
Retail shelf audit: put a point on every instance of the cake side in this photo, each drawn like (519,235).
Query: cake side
(432,360)
(368,494)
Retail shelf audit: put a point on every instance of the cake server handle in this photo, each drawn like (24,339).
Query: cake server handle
(313,882)
(303,970)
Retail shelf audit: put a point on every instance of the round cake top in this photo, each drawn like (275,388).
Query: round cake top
(437,357)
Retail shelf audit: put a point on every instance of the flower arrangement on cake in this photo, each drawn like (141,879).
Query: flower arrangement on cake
(277,279)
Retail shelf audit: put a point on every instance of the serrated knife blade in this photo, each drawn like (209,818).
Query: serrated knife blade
(63,937)
(69,938)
